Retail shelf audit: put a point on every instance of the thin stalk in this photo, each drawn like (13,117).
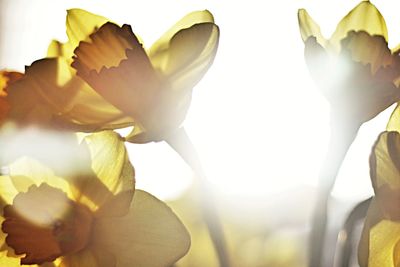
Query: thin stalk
(342,136)
(181,143)
(344,250)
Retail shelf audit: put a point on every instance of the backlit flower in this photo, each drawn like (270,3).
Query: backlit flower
(93,217)
(355,69)
(154,87)
(150,89)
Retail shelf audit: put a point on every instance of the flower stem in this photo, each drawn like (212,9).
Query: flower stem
(181,143)
(342,136)
(344,247)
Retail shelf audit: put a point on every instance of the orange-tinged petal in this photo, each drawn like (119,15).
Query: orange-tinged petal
(149,235)
(364,17)
(50,93)
(6,79)
(309,28)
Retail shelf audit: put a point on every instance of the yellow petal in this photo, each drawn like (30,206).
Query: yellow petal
(113,173)
(188,56)
(364,17)
(81,23)
(149,235)
(309,28)
(394,120)
(385,175)
(26,172)
(82,258)
(57,49)
(187,21)
(384,244)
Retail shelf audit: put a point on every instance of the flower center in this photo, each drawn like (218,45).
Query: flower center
(44,224)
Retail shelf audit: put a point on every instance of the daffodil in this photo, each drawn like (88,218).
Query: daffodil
(358,74)
(355,69)
(380,242)
(124,84)
(89,217)
(152,86)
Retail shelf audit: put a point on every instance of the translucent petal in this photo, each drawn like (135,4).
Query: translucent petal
(187,21)
(364,17)
(82,258)
(394,120)
(112,171)
(149,235)
(81,23)
(190,53)
(385,173)
(309,28)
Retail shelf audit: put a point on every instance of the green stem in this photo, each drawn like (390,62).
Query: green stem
(181,143)
(342,136)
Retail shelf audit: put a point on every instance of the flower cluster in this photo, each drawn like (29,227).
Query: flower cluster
(68,198)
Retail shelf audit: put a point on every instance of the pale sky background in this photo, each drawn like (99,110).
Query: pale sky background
(257,119)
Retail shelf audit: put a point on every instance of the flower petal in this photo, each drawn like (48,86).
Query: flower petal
(366,17)
(375,248)
(309,28)
(385,173)
(394,120)
(6,79)
(187,21)
(149,235)
(82,258)
(81,23)
(188,56)
(111,166)
(51,93)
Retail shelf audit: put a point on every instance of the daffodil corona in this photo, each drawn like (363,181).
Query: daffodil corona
(91,216)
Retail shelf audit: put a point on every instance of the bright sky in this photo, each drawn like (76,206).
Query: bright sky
(257,119)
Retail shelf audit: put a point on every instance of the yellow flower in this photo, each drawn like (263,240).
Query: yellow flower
(380,242)
(355,69)
(150,89)
(154,87)
(91,217)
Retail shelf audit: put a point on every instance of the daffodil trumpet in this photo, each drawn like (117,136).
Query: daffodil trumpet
(182,144)
(358,75)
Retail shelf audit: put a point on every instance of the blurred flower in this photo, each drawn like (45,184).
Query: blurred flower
(355,69)
(6,79)
(154,87)
(380,242)
(91,218)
